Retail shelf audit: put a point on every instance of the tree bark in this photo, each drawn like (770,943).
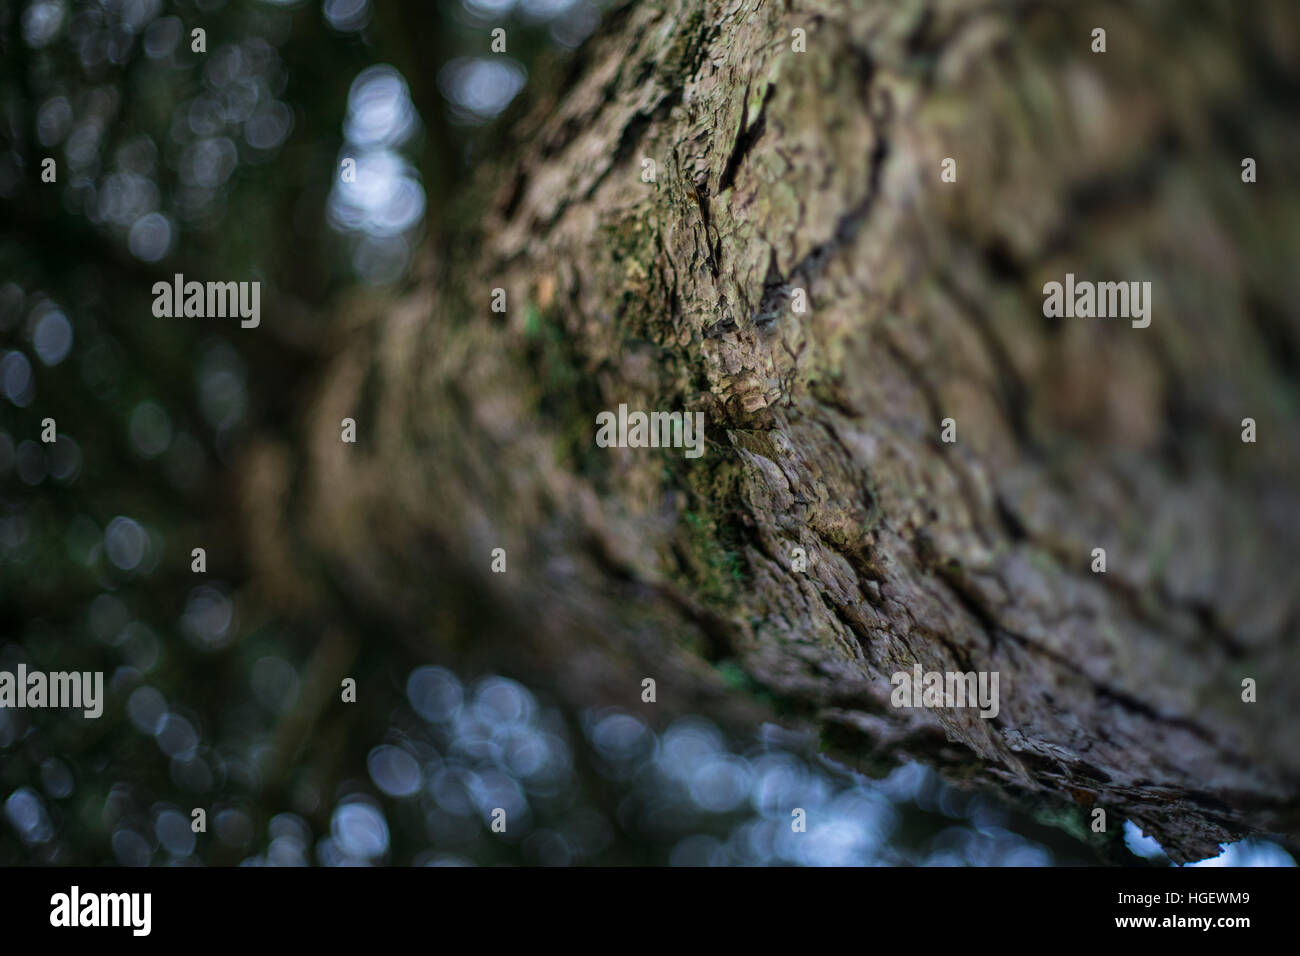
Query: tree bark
(778,170)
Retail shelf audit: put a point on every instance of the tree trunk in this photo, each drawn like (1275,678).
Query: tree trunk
(778,170)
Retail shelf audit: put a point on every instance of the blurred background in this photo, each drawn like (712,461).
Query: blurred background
(225,165)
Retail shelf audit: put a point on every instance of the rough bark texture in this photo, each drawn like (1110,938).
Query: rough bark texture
(820,170)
